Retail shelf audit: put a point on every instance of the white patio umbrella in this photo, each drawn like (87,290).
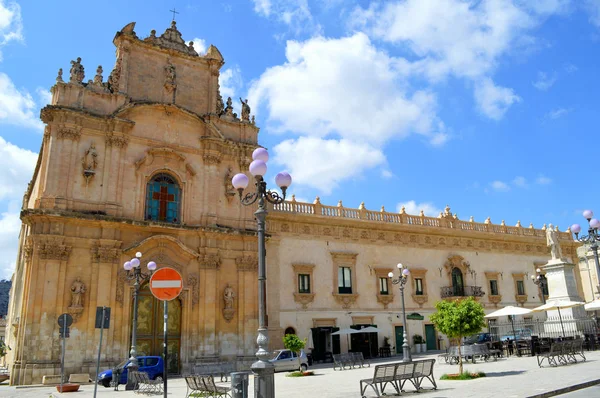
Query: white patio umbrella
(511,311)
(347,332)
(557,305)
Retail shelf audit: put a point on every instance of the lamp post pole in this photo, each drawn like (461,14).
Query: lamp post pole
(134,272)
(401,281)
(592,238)
(542,282)
(264,370)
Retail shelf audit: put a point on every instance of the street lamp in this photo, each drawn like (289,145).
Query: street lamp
(134,272)
(401,280)
(592,238)
(264,380)
(542,282)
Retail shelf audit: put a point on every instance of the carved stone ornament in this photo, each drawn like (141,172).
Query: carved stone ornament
(59,78)
(495,299)
(420,299)
(194,286)
(115,77)
(69,133)
(103,254)
(229,189)
(304,299)
(229,109)
(456,261)
(210,261)
(171,39)
(121,282)
(247,263)
(98,78)
(346,300)
(521,298)
(220,105)
(77,72)
(117,141)
(228,301)
(54,250)
(89,163)
(385,299)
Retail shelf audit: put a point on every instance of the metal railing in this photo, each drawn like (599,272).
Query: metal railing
(552,327)
(462,291)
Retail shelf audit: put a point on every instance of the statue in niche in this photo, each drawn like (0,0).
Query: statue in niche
(228,296)
(89,162)
(77,71)
(98,78)
(170,74)
(552,242)
(229,108)
(245,110)
(77,291)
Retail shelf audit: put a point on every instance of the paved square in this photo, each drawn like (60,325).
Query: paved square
(507,378)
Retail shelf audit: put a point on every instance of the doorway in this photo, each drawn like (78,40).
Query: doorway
(399,338)
(431,337)
(150,328)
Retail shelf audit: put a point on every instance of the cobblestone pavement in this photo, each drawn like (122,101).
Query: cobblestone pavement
(507,378)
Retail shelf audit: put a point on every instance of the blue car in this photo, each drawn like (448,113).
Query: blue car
(153,365)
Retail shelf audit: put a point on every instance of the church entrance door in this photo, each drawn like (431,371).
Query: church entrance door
(150,328)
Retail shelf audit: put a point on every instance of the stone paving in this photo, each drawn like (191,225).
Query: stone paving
(507,378)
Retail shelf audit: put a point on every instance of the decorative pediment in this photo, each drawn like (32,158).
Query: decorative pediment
(171,39)
(161,241)
(456,261)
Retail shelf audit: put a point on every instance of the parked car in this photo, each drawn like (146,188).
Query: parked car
(479,338)
(286,360)
(522,334)
(153,365)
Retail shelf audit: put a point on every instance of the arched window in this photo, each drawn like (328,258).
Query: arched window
(162,199)
(458,288)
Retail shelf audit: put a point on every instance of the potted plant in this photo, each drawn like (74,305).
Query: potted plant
(424,346)
(417,340)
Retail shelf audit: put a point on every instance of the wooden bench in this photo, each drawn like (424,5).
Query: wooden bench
(145,385)
(221,369)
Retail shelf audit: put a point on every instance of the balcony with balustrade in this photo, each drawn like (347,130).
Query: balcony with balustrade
(461,291)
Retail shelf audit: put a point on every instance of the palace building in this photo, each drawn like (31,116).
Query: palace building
(142,162)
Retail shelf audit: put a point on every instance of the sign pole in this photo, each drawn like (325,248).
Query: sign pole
(165,348)
(99,351)
(62,357)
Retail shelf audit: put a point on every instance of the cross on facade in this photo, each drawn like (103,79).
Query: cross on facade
(174,12)
(163,197)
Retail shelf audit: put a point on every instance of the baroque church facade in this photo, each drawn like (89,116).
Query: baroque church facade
(142,162)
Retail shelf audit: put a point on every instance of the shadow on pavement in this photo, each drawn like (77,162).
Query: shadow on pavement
(507,373)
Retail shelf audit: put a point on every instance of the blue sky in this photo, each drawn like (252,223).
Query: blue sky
(489,106)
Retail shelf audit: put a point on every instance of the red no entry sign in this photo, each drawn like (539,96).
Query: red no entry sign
(166,284)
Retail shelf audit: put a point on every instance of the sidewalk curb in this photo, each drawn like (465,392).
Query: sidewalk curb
(566,389)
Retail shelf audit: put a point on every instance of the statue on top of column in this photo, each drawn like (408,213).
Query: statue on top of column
(552,242)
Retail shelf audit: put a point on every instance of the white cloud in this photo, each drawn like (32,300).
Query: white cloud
(570,68)
(17,165)
(557,113)
(385,173)
(345,87)
(17,107)
(593,8)
(520,181)
(323,164)
(414,208)
(231,83)
(295,14)
(543,180)
(262,7)
(494,101)
(544,82)
(499,186)
(459,38)
(45,96)
(199,45)
(11,25)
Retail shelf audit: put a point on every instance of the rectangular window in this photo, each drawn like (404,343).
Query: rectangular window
(344,280)
(303,283)
(418,286)
(520,288)
(493,287)
(383,286)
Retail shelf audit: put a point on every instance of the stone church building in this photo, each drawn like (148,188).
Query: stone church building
(142,162)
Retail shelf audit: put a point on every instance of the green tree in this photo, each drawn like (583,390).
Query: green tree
(458,318)
(293,343)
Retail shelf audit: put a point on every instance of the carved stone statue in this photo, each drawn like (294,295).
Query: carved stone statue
(77,71)
(98,78)
(228,296)
(77,291)
(245,110)
(170,74)
(229,108)
(552,242)
(89,162)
